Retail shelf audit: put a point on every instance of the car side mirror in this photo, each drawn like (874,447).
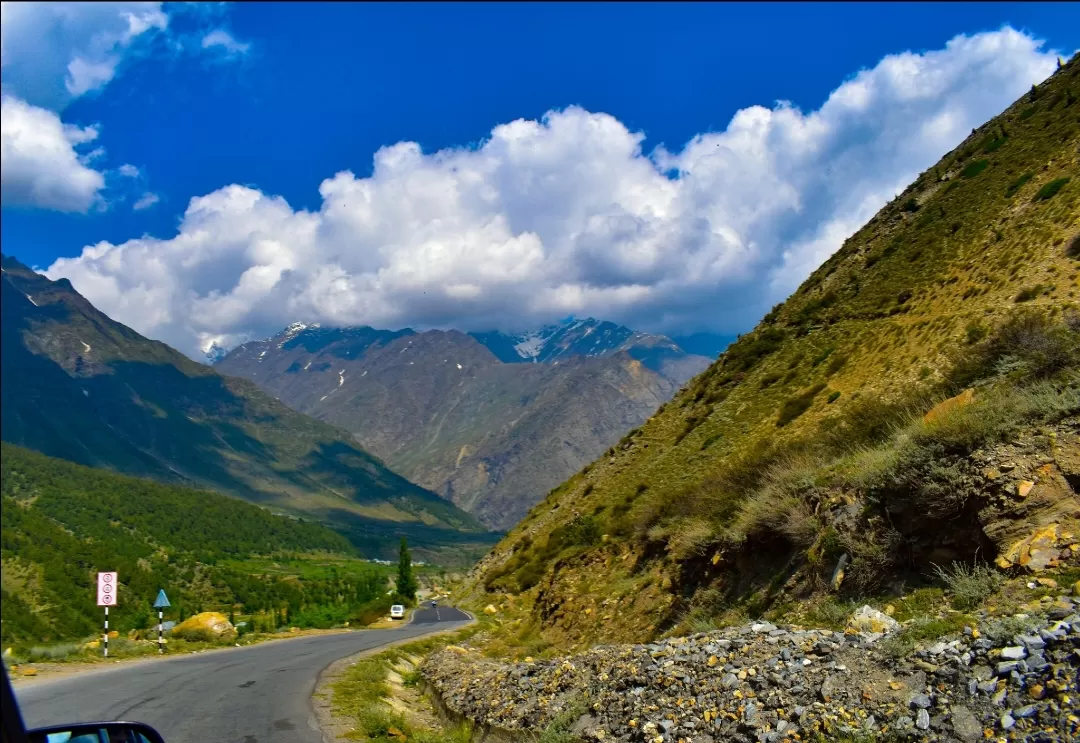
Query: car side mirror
(96,732)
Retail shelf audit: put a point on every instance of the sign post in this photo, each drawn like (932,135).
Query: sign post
(106,596)
(160,604)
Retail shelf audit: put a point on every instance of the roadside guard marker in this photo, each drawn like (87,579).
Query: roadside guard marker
(160,604)
(106,596)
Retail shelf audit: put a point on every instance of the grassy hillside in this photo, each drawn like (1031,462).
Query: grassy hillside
(61,523)
(806,445)
(80,386)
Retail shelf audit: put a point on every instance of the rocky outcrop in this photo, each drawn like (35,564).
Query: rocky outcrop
(209,626)
(1012,679)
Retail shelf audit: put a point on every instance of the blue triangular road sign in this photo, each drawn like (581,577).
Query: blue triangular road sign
(162,600)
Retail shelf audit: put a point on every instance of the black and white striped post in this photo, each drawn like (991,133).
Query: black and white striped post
(106,596)
(160,604)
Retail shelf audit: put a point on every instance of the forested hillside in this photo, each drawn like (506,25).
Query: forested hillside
(62,523)
(80,386)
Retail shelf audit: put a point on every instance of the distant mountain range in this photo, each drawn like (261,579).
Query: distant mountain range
(80,386)
(491,421)
(594,338)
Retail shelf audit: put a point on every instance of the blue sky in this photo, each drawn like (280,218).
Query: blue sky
(303,91)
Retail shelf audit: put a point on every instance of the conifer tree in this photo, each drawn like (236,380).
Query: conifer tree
(406,582)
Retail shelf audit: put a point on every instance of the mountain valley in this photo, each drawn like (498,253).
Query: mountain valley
(487,420)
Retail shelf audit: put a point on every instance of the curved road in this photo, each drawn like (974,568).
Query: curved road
(256,694)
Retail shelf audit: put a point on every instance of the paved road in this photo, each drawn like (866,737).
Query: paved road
(256,694)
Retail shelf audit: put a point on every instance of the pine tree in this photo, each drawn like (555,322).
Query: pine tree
(406,582)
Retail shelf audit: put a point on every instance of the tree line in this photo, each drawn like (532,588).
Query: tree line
(62,522)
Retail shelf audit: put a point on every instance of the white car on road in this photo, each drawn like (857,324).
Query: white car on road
(397,611)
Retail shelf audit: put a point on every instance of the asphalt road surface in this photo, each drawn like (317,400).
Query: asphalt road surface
(256,694)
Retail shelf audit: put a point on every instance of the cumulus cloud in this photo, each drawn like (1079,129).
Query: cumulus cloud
(146,201)
(565,215)
(52,53)
(41,166)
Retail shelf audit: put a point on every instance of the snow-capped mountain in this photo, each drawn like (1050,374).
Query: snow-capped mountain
(589,337)
(491,421)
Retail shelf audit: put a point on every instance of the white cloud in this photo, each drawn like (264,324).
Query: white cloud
(565,215)
(55,52)
(146,201)
(40,164)
(52,53)
(220,38)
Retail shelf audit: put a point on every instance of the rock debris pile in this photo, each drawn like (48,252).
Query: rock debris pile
(1015,679)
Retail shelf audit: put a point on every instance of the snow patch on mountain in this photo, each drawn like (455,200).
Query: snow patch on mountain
(291,332)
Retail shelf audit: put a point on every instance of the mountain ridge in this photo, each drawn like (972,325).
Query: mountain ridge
(83,387)
(441,407)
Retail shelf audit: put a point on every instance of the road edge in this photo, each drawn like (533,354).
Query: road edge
(322,719)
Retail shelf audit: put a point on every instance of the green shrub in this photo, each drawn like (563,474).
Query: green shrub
(974,168)
(583,531)
(970,586)
(795,406)
(1029,343)
(825,353)
(692,422)
(924,630)
(1029,293)
(811,309)
(835,365)
(833,396)
(974,332)
(1018,184)
(749,349)
(1073,250)
(1049,190)
(559,729)
(770,379)
(911,205)
(831,614)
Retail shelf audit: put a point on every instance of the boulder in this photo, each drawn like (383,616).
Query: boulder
(945,406)
(209,626)
(869,619)
(490,609)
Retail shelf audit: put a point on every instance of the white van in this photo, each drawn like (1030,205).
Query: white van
(397,611)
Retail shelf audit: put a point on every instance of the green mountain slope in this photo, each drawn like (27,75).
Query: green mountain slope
(62,522)
(80,386)
(806,444)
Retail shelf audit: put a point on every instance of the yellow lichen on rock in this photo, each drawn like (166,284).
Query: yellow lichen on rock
(1037,551)
(205,627)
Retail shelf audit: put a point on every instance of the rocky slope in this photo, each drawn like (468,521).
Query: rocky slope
(1005,679)
(79,386)
(915,402)
(441,408)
